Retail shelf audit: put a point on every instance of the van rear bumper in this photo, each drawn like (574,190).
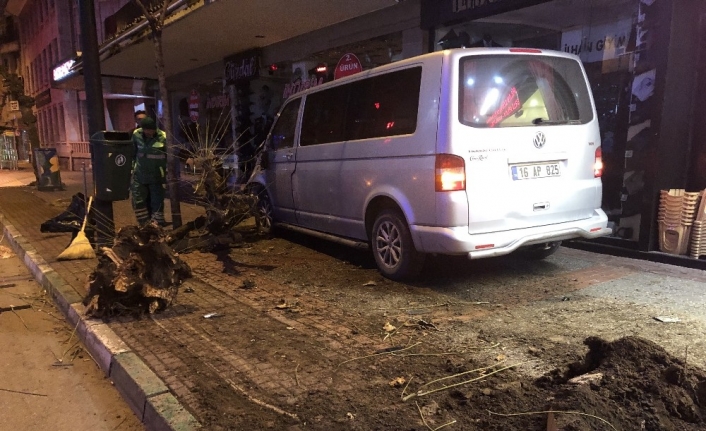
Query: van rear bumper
(457,240)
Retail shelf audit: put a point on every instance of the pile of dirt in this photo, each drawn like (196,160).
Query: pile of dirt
(627,384)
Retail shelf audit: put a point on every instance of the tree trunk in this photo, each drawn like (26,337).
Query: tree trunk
(172,159)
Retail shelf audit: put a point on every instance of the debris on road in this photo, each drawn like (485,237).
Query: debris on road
(594,378)
(248,284)
(667,319)
(370,283)
(388,327)
(397,382)
(212,315)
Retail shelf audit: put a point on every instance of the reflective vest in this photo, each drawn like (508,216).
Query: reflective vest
(150,161)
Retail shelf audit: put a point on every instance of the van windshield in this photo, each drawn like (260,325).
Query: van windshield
(522,90)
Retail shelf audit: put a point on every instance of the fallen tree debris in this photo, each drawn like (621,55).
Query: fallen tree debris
(23,392)
(225,209)
(139,274)
(492,413)
(420,392)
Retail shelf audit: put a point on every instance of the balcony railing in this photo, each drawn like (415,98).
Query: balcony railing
(74,152)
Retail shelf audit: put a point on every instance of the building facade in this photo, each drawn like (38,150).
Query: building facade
(644,58)
(50,41)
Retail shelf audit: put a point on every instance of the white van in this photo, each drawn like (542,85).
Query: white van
(476,152)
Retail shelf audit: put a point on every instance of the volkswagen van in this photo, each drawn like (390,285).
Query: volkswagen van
(478,152)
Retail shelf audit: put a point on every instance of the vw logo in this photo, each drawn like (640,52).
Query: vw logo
(120,159)
(539,140)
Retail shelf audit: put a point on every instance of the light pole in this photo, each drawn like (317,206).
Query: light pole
(105,226)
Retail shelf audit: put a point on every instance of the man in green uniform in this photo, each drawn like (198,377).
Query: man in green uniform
(149,173)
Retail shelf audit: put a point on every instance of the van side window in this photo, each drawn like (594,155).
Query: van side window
(384,105)
(324,116)
(282,135)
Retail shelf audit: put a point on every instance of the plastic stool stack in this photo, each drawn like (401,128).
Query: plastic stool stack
(677,212)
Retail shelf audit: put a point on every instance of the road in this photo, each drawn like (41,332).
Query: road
(47,380)
(305,328)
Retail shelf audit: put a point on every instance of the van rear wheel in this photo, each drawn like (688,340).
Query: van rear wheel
(540,251)
(393,249)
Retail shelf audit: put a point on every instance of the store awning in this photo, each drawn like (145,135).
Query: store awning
(207,33)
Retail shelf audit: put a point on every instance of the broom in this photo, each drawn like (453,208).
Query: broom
(80,247)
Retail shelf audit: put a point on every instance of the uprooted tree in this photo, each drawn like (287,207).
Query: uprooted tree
(139,274)
(225,206)
(142,272)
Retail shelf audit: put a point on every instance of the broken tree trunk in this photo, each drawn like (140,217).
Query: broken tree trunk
(225,209)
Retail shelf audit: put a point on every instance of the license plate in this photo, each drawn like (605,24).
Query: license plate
(530,172)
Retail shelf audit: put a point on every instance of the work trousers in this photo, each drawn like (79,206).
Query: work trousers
(148,202)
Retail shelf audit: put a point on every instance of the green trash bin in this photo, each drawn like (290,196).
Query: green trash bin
(112,155)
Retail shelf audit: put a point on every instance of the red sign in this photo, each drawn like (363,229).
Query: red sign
(347,65)
(194,106)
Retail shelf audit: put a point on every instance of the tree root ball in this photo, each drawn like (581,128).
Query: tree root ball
(139,274)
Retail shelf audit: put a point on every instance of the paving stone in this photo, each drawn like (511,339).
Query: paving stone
(135,381)
(164,413)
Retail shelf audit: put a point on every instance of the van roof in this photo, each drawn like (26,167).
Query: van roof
(450,54)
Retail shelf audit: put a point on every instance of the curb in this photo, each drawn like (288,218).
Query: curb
(146,394)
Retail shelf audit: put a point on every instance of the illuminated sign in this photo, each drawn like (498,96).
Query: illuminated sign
(63,70)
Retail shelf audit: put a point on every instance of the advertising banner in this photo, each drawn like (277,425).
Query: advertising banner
(598,42)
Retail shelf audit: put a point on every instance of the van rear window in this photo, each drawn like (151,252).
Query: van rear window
(514,91)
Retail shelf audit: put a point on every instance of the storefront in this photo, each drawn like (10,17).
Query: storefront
(641,60)
(247,88)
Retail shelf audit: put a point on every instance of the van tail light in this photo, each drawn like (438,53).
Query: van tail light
(598,164)
(450,173)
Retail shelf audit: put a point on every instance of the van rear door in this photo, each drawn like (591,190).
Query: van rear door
(528,131)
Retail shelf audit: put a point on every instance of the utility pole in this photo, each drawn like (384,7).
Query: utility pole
(105,225)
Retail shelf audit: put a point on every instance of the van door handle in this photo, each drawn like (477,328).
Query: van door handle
(541,206)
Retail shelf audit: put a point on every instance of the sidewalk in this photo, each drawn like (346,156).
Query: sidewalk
(178,369)
(22,210)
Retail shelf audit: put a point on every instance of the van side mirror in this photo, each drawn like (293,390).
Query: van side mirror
(265,158)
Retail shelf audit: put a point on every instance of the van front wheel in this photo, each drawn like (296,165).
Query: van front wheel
(393,249)
(263,214)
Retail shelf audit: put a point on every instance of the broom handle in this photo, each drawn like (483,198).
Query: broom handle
(88,209)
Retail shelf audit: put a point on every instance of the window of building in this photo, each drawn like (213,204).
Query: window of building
(55,123)
(45,67)
(83,127)
(55,50)
(62,124)
(40,128)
